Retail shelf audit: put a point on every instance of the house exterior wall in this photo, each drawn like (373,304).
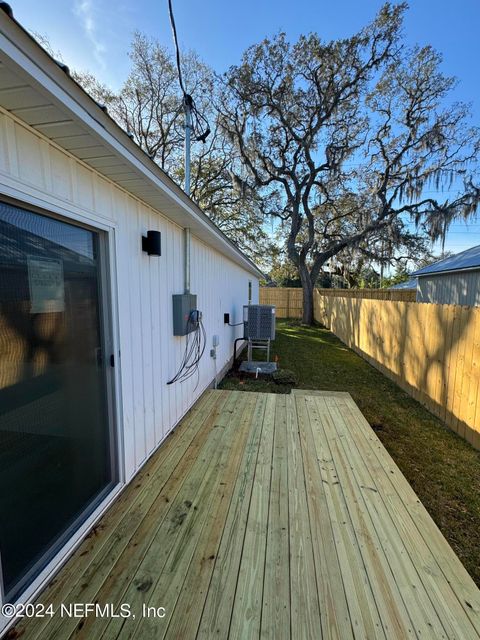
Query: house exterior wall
(462,287)
(36,172)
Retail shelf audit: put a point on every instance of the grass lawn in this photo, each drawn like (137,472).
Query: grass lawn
(442,468)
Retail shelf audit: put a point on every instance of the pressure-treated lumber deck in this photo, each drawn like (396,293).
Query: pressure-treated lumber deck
(267,516)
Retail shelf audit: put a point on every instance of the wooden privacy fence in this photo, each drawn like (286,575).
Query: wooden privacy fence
(289,301)
(407,295)
(432,351)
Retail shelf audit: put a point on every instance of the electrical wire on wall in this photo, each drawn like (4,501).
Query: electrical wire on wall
(194,349)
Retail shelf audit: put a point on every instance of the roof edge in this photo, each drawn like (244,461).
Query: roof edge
(419,274)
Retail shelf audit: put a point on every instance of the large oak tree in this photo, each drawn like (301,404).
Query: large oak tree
(346,141)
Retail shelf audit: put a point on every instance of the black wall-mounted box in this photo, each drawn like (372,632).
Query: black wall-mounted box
(183,305)
(152,243)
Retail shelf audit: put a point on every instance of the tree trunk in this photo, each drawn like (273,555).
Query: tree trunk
(307,286)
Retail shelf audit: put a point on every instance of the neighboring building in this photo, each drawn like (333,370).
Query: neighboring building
(87,342)
(454,280)
(411,283)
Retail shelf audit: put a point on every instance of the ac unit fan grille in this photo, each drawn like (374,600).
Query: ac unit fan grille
(260,324)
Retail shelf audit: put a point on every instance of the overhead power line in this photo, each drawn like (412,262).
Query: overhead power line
(198,123)
(177,48)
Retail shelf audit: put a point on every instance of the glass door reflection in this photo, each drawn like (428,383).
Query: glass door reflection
(56,460)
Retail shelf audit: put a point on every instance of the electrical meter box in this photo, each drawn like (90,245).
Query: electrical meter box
(259,321)
(183,320)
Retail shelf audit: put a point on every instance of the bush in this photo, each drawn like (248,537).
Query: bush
(284,376)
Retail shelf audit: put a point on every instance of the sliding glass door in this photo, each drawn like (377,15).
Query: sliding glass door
(56,440)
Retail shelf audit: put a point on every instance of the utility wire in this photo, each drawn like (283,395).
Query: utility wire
(177,48)
(200,124)
(194,349)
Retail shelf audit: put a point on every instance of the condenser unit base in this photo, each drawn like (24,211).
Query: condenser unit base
(262,368)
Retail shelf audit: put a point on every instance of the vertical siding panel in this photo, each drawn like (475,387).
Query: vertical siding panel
(11,149)
(84,188)
(46,160)
(188,387)
(137,341)
(4,160)
(164,336)
(461,288)
(102,191)
(30,160)
(124,268)
(61,175)
(180,405)
(146,265)
(156,341)
(149,353)
(212,297)
(173,344)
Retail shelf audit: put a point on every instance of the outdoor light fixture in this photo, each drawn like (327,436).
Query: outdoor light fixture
(152,243)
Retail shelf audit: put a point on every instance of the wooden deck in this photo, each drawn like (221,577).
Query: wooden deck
(267,516)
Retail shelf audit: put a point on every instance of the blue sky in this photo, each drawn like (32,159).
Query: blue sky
(93,36)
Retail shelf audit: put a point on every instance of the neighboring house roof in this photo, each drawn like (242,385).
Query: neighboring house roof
(411,283)
(39,91)
(466,260)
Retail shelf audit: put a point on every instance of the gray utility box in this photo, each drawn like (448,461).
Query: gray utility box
(183,305)
(259,321)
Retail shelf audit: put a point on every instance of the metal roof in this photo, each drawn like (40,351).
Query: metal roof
(466,260)
(38,91)
(411,283)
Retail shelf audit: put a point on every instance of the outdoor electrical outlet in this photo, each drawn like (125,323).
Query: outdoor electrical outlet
(226,318)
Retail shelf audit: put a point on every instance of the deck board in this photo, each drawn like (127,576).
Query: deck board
(267,516)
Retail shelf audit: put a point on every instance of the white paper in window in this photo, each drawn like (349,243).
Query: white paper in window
(47,285)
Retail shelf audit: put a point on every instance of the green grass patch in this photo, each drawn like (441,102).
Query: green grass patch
(442,468)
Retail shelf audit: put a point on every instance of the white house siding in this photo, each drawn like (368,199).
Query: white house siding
(461,287)
(37,172)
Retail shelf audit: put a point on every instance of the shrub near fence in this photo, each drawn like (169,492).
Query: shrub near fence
(432,351)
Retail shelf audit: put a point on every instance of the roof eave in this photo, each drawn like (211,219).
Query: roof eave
(445,271)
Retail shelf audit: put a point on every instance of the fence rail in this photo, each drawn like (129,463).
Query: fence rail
(407,295)
(432,351)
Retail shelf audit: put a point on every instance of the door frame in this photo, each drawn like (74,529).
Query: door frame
(108,299)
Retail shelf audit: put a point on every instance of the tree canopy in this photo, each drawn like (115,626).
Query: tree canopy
(149,106)
(347,140)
